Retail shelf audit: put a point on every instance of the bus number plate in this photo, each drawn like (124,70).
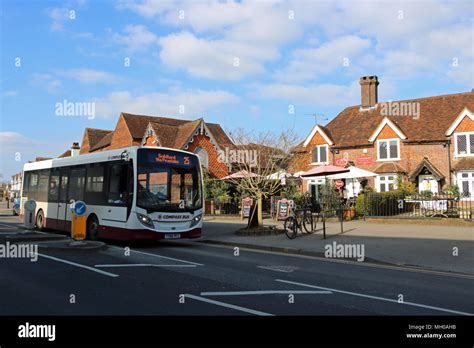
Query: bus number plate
(172,236)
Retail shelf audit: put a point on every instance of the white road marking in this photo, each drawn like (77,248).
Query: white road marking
(141,265)
(284,269)
(377,298)
(78,265)
(263,292)
(161,256)
(228,305)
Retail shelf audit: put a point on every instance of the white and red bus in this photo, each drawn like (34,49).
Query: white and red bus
(130,193)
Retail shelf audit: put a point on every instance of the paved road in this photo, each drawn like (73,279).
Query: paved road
(212,280)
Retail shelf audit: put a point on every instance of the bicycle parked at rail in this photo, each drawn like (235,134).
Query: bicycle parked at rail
(301,219)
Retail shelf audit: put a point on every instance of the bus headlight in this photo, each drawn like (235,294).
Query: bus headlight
(196,220)
(145,220)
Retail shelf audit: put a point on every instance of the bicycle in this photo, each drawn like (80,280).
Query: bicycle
(301,219)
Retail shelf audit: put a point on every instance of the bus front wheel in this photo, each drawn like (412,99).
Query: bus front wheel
(93,228)
(40,221)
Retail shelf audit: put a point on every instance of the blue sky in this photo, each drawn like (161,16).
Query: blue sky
(241,64)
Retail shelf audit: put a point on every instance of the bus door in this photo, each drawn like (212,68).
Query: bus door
(118,194)
(53,199)
(63,204)
(75,192)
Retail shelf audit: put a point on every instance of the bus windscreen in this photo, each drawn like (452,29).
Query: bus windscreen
(168,181)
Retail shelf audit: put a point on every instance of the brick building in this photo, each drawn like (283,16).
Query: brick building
(204,139)
(428,141)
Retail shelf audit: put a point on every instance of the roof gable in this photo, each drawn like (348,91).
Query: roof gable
(462,115)
(317,129)
(386,122)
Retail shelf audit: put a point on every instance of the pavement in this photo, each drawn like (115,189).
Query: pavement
(427,247)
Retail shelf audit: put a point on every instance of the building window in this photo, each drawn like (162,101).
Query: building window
(386,182)
(388,149)
(320,154)
(464,144)
(203,157)
(465,181)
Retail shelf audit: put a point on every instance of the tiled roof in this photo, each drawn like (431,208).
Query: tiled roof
(95,135)
(389,167)
(425,163)
(65,154)
(220,135)
(137,124)
(354,127)
(166,134)
(465,163)
(105,141)
(184,133)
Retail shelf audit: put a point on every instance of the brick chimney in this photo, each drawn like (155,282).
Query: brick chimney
(368,91)
(75,148)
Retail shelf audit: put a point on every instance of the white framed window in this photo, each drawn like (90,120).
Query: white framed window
(319,155)
(465,182)
(388,150)
(464,144)
(386,182)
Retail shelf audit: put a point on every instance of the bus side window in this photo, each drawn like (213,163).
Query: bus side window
(63,191)
(95,184)
(77,183)
(26,182)
(43,181)
(117,184)
(54,186)
(33,185)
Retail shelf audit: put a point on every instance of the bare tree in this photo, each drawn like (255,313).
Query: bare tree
(257,163)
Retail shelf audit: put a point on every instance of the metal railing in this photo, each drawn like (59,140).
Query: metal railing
(400,205)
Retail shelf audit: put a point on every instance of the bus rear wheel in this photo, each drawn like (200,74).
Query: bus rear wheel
(40,221)
(93,228)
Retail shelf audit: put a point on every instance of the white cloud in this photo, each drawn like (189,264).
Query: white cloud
(136,37)
(321,95)
(195,103)
(46,81)
(87,75)
(147,8)
(17,149)
(212,59)
(310,63)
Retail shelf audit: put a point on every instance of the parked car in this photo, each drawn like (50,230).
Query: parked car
(16,206)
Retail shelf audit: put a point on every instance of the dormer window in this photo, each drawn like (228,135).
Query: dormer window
(388,149)
(320,154)
(464,143)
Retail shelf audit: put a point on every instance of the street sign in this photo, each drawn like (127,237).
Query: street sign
(79,208)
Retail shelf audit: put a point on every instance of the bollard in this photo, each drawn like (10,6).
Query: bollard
(78,220)
(29,214)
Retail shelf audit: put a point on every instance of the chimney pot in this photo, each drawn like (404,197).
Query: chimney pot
(75,148)
(368,91)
